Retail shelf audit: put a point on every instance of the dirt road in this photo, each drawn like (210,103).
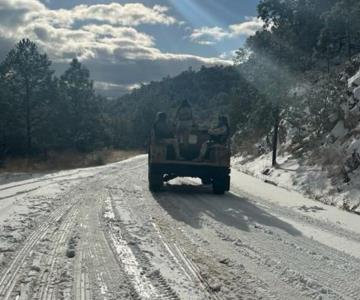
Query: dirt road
(100,234)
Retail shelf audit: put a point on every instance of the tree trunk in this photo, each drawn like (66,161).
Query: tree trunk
(349,50)
(349,34)
(28,119)
(2,147)
(276,135)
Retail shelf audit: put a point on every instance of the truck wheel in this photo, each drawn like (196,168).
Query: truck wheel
(221,185)
(155,181)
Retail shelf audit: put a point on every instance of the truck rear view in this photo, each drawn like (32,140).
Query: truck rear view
(189,153)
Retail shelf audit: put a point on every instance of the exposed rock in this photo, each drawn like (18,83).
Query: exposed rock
(215,287)
(339,130)
(357,93)
(224,261)
(267,172)
(70,252)
(355,80)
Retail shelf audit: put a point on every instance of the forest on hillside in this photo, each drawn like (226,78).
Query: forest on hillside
(40,112)
(292,73)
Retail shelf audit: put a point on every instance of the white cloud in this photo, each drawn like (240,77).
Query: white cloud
(111,38)
(247,28)
(103,36)
(228,55)
(103,42)
(212,35)
(13,12)
(208,35)
(107,86)
(26,5)
(130,14)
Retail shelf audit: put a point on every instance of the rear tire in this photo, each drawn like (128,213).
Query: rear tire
(156,181)
(205,181)
(221,185)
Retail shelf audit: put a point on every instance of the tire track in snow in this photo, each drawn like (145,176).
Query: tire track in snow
(138,206)
(148,285)
(327,270)
(187,265)
(173,264)
(48,288)
(9,278)
(272,249)
(97,273)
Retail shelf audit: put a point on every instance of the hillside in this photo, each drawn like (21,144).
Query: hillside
(320,161)
(209,91)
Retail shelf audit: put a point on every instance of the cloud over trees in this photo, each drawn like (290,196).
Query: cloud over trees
(212,35)
(105,35)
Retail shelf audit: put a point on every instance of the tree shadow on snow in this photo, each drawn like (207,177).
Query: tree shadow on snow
(189,203)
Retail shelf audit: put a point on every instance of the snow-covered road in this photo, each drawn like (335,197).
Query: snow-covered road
(98,233)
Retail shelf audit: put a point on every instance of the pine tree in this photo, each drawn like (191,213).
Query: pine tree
(26,75)
(81,108)
(341,32)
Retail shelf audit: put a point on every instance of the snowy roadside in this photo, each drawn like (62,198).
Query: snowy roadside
(311,181)
(334,176)
(319,222)
(27,200)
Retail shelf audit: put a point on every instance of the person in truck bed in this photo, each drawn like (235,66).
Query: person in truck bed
(163,132)
(184,121)
(217,135)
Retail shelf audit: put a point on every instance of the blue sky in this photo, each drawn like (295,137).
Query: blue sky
(128,42)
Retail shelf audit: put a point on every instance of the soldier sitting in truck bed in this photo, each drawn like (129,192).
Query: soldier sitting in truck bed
(164,133)
(165,165)
(217,135)
(184,121)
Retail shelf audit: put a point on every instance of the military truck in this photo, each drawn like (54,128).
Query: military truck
(213,170)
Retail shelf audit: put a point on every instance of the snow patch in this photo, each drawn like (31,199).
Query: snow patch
(356,93)
(355,146)
(339,130)
(313,181)
(108,212)
(355,80)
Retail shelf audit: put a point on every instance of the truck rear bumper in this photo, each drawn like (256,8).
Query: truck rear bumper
(190,170)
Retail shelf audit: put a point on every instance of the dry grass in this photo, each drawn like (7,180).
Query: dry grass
(66,160)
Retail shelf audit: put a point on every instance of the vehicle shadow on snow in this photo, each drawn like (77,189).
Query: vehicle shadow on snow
(189,203)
